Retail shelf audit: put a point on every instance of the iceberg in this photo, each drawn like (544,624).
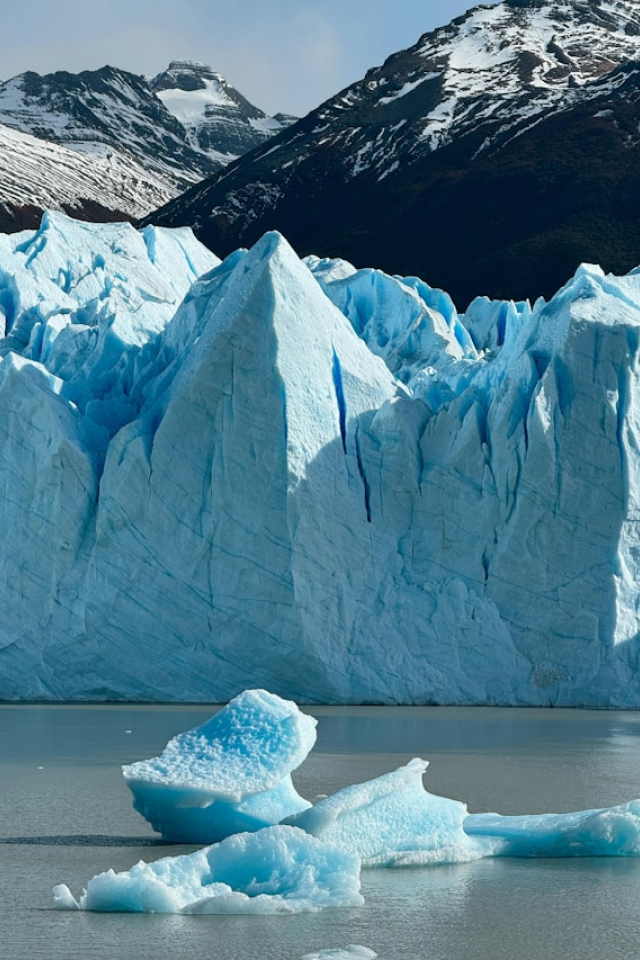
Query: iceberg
(230,775)
(234,772)
(278,870)
(610,832)
(354,951)
(310,478)
(393,821)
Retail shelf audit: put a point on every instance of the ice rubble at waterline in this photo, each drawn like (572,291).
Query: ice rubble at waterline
(313,859)
(368,497)
(276,870)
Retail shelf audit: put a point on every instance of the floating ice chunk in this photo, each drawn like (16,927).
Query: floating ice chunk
(393,821)
(231,774)
(353,952)
(277,870)
(611,832)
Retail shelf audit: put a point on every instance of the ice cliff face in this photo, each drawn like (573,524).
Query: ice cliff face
(332,485)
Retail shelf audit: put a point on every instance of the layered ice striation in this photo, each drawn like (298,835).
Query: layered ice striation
(279,870)
(232,774)
(310,478)
(392,821)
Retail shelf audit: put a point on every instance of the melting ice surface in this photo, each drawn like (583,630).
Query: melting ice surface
(278,870)
(209,782)
(230,775)
(393,821)
(611,832)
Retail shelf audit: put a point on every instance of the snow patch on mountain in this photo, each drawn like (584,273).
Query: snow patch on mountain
(118,141)
(212,111)
(46,175)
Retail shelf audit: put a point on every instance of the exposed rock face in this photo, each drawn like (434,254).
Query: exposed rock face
(108,144)
(498,152)
(218,119)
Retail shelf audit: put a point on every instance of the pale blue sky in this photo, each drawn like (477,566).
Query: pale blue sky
(286,55)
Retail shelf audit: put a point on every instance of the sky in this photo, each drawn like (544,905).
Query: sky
(283,55)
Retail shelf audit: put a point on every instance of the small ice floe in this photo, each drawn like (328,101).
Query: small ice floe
(392,821)
(610,832)
(276,870)
(230,775)
(352,952)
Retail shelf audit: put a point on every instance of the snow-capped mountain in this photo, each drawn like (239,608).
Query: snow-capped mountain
(111,142)
(218,119)
(38,175)
(391,147)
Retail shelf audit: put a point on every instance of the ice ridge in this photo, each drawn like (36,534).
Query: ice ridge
(315,479)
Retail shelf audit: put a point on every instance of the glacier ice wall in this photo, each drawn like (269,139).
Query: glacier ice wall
(309,478)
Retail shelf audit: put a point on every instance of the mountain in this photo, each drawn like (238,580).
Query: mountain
(483,157)
(219,121)
(310,478)
(38,175)
(110,143)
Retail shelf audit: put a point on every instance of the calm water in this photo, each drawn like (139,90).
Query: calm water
(66,815)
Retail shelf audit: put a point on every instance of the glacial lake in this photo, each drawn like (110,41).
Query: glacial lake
(66,815)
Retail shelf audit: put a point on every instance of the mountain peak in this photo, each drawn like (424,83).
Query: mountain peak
(396,145)
(186,75)
(203,101)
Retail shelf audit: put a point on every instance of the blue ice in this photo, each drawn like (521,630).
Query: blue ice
(235,770)
(393,821)
(232,774)
(610,832)
(276,870)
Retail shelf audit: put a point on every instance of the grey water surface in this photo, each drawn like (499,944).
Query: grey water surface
(65,815)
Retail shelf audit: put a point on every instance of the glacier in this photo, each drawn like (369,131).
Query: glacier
(230,775)
(279,870)
(314,479)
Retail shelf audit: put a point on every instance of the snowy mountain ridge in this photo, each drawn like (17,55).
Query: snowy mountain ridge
(507,51)
(212,111)
(499,65)
(39,174)
(391,144)
(138,143)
